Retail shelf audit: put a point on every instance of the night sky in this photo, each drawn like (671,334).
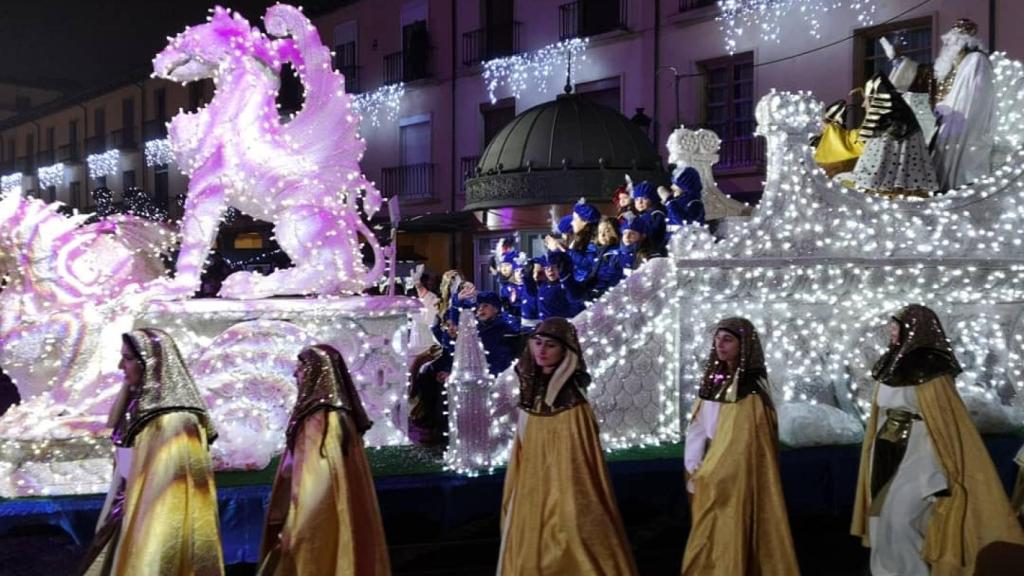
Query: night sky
(97,42)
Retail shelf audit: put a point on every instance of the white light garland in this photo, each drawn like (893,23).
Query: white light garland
(11,182)
(104,164)
(159,152)
(381,104)
(51,175)
(767,17)
(516,73)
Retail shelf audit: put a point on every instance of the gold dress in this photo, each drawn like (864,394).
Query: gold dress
(323,516)
(974,511)
(163,517)
(838,148)
(739,520)
(559,515)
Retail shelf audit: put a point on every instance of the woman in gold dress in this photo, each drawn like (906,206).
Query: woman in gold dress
(160,516)
(928,496)
(739,522)
(559,515)
(323,516)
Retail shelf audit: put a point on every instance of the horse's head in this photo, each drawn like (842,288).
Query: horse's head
(199,51)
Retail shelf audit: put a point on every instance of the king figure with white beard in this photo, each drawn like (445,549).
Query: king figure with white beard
(965,106)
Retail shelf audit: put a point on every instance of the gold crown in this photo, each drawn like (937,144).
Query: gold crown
(967,26)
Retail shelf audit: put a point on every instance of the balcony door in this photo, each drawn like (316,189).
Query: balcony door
(498,17)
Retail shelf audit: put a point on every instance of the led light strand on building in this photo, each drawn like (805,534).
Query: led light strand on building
(11,183)
(51,175)
(159,152)
(382,104)
(104,164)
(534,70)
(767,17)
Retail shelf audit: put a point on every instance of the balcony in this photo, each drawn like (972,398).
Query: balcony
(467,169)
(69,153)
(7,167)
(96,144)
(488,43)
(748,152)
(687,5)
(590,17)
(25,164)
(154,129)
(351,74)
(124,139)
(406,66)
(44,158)
(412,182)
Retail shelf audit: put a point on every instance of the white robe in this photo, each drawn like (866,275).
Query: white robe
(897,533)
(963,145)
(699,434)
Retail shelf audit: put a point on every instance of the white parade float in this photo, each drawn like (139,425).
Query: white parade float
(819,269)
(816,267)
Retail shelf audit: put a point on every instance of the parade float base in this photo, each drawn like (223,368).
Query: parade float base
(242,354)
(450,522)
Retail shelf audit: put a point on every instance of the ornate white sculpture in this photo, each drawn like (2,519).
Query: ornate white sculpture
(699,149)
(303,176)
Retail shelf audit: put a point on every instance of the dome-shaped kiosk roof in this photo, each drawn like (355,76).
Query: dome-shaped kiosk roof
(558,151)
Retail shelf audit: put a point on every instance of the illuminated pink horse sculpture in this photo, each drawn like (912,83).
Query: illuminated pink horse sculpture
(303,176)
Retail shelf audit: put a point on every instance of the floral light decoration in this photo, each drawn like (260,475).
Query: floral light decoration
(11,182)
(381,104)
(159,152)
(104,164)
(51,175)
(516,73)
(766,17)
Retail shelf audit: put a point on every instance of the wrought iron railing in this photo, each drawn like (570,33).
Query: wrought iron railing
(412,182)
(25,164)
(590,17)
(744,152)
(351,74)
(44,158)
(406,66)
(490,42)
(124,139)
(467,169)
(69,153)
(96,144)
(154,129)
(685,5)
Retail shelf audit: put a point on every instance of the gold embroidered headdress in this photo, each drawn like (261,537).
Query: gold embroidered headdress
(166,387)
(327,386)
(966,26)
(573,369)
(922,352)
(751,374)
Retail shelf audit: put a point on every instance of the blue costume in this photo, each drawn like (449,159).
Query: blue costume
(497,335)
(687,207)
(658,236)
(553,298)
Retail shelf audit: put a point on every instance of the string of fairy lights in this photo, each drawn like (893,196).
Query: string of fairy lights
(766,18)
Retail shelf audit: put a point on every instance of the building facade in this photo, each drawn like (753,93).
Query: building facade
(662,62)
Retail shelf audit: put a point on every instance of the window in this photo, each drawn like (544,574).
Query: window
(160,103)
(128,179)
(101,181)
(75,192)
(248,241)
(99,121)
(912,38)
(497,116)
(590,17)
(161,188)
(685,5)
(604,92)
(346,36)
(728,109)
(51,193)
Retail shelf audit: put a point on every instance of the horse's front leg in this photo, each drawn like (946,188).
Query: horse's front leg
(204,208)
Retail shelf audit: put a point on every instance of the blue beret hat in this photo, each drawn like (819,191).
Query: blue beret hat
(488,298)
(645,190)
(689,181)
(587,212)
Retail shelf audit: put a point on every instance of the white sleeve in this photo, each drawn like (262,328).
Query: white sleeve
(696,441)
